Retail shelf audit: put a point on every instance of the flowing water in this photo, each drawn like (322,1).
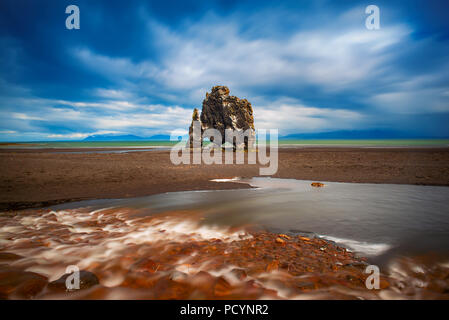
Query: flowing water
(404,229)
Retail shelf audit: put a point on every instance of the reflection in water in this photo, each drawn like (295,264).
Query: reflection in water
(216,244)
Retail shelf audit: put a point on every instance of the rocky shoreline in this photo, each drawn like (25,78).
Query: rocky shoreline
(235,265)
(172,255)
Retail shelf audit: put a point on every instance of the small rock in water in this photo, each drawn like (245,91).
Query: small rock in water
(239,273)
(317,184)
(279,240)
(222,287)
(274,265)
(384,284)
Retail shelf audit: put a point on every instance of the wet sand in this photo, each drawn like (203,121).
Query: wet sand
(37,178)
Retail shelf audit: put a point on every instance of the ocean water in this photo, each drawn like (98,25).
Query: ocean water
(282,143)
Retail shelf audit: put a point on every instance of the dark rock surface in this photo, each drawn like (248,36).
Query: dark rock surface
(221,112)
(20,284)
(195,117)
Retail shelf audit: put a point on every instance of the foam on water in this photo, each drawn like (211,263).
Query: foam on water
(84,237)
(226,180)
(368,249)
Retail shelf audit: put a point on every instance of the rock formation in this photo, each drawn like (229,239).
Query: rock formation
(195,117)
(221,112)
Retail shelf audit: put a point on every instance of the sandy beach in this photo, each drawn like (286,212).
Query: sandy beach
(42,177)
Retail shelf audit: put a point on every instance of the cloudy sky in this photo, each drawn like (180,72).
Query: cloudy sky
(140,67)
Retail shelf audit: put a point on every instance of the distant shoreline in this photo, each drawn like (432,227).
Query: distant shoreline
(283,143)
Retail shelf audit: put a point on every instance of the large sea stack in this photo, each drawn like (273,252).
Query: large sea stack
(222,111)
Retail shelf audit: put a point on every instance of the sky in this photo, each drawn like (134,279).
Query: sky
(140,67)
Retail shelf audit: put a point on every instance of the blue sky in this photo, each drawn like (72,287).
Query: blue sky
(140,67)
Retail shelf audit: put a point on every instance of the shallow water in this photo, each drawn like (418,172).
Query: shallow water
(368,218)
(178,245)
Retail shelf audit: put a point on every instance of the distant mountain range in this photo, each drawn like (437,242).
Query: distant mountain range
(342,134)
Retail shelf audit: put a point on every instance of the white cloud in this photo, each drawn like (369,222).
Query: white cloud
(112,94)
(68,136)
(79,135)
(213,51)
(292,116)
(86,118)
(416,95)
(112,104)
(162,117)
(23,116)
(417,101)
